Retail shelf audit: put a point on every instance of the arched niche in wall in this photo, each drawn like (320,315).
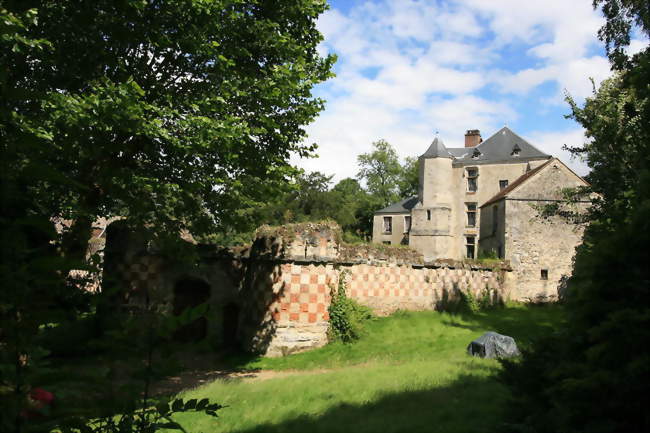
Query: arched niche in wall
(189,293)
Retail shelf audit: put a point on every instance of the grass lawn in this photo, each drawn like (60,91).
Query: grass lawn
(410,373)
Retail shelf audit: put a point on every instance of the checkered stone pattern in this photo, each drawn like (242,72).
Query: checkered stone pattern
(368,281)
(303,293)
(141,274)
(85,280)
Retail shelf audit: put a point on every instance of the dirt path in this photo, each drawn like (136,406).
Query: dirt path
(192,378)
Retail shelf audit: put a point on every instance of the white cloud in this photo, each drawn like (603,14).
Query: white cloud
(573,76)
(409,67)
(454,116)
(552,143)
(636,46)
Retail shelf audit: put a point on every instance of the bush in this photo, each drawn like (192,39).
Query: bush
(347,317)
(592,374)
(69,338)
(468,302)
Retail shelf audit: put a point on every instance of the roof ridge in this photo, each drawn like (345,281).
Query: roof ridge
(395,207)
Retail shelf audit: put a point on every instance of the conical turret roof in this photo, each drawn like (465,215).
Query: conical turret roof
(436,150)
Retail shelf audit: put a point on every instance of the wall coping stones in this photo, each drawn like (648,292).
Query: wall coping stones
(321,242)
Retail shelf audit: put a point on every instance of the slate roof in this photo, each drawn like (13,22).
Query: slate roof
(521,179)
(498,148)
(403,206)
(436,150)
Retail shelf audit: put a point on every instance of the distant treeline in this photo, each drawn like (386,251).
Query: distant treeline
(381,180)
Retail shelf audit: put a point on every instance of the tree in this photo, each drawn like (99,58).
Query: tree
(592,375)
(172,113)
(177,114)
(410,177)
(381,171)
(622,16)
(352,206)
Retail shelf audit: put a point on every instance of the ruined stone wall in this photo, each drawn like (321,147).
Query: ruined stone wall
(282,286)
(292,271)
(293,304)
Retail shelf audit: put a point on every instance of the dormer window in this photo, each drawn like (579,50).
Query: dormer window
(476,154)
(516,150)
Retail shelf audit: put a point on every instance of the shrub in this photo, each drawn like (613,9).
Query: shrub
(347,317)
(468,302)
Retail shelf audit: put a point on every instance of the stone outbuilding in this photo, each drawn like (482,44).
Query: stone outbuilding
(524,225)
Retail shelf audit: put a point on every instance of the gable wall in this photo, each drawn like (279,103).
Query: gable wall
(533,242)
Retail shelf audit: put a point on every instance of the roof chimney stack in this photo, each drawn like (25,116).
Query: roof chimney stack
(473,138)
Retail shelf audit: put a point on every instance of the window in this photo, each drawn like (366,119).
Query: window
(407,223)
(428,215)
(503,184)
(470,245)
(472,179)
(388,225)
(544,275)
(516,150)
(495,219)
(471,214)
(386,242)
(476,154)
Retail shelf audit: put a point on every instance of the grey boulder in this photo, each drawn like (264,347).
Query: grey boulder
(493,345)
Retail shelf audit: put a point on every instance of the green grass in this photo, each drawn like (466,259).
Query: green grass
(410,373)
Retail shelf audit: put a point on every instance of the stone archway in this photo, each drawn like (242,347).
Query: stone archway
(189,293)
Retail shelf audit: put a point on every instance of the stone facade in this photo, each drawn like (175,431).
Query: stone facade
(540,247)
(449,219)
(452,184)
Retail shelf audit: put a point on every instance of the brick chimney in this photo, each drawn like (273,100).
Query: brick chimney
(473,138)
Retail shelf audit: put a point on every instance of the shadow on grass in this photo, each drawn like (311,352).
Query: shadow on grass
(469,404)
(523,323)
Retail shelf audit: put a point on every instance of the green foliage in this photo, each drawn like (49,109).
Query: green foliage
(309,198)
(150,419)
(591,375)
(486,302)
(347,318)
(177,122)
(595,369)
(175,114)
(488,255)
(381,171)
(622,16)
(410,177)
(466,302)
(353,239)
(469,302)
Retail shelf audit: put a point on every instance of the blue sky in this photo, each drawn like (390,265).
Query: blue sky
(408,68)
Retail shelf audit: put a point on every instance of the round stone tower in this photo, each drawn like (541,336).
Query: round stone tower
(431,217)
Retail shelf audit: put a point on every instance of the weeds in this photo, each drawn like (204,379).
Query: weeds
(347,317)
